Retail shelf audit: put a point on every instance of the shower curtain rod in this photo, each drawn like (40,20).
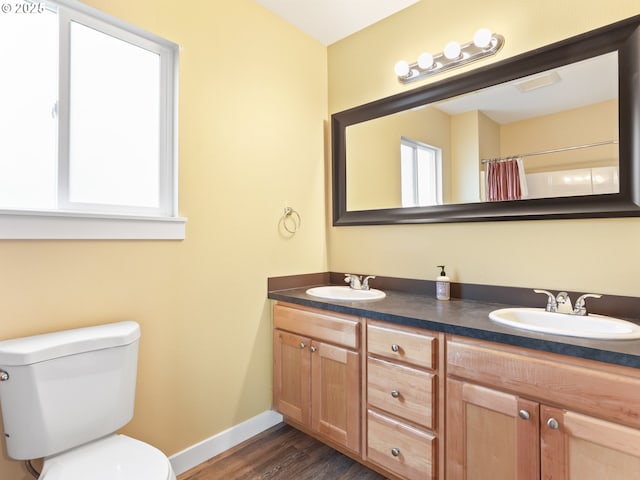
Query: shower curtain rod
(544,152)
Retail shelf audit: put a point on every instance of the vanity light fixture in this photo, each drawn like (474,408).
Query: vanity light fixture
(484,44)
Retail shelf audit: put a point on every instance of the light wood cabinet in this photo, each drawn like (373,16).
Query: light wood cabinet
(402,400)
(491,435)
(335,394)
(316,374)
(581,447)
(510,413)
(519,414)
(399,447)
(403,391)
(291,376)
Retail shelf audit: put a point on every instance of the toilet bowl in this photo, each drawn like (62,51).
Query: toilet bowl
(116,457)
(64,395)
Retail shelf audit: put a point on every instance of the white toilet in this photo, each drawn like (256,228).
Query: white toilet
(64,395)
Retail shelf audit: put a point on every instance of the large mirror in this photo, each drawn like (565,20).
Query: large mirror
(552,133)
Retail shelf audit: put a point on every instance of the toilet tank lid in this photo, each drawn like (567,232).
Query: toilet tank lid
(47,346)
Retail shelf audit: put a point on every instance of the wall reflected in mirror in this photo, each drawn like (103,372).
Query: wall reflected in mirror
(448,152)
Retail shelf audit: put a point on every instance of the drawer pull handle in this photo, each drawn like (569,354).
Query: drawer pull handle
(524,414)
(395,393)
(395,348)
(553,424)
(303,345)
(395,452)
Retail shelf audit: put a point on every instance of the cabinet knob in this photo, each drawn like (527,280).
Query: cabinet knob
(395,452)
(303,345)
(313,349)
(4,376)
(524,414)
(395,348)
(553,424)
(395,393)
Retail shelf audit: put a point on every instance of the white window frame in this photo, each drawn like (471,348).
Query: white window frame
(88,221)
(415,145)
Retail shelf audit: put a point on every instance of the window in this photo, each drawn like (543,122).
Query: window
(87,126)
(420,174)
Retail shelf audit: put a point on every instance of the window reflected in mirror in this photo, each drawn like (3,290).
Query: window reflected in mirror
(420,173)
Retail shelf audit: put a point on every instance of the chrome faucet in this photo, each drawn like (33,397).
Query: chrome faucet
(552,304)
(580,308)
(356,282)
(365,282)
(562,303)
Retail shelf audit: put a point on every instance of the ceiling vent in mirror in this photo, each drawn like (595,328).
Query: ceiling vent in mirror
(540,81)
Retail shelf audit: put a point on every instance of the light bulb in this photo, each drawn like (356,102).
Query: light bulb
(452,50)
(482,38)
(401,68)
(425,61)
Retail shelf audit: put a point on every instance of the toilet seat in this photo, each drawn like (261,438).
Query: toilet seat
(116,457)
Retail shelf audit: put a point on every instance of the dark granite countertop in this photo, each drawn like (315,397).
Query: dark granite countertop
(469,318)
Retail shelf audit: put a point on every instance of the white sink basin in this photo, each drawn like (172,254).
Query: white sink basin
(590,326)
(332,292)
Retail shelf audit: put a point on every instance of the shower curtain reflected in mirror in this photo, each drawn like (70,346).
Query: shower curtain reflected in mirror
(506,180)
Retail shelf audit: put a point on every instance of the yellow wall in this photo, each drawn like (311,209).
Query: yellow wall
(253,110)
(583,255)
(465,144)
(373,150)
(579,126)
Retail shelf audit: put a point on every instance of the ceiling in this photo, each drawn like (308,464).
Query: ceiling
(578,84)
(331,20)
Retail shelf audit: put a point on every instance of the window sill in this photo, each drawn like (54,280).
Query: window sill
(21,225)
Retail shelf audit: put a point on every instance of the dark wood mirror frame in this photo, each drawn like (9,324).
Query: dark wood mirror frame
(622,37)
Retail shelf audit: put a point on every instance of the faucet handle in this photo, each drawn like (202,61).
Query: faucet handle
(580,308)
(552,305)
(354,281)
(365,282)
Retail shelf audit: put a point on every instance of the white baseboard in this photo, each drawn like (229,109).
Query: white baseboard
(203,451)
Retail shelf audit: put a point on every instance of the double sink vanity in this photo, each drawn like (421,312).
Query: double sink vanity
(490,385)
(570,322)
(417,388)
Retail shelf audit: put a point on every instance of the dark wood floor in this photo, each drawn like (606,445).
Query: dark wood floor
(281,453)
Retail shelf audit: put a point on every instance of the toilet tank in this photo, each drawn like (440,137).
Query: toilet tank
(67,388)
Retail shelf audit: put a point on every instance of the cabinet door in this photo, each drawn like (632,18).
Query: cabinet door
(491,435)
(291,376)
(579,447)
(335,379)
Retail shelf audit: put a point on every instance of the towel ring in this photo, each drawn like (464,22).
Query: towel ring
(291,220)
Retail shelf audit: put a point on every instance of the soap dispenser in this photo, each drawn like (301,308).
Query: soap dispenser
(442,285)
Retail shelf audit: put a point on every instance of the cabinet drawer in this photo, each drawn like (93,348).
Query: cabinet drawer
(411,347)
(402,391)
(337,329)
(401,449)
